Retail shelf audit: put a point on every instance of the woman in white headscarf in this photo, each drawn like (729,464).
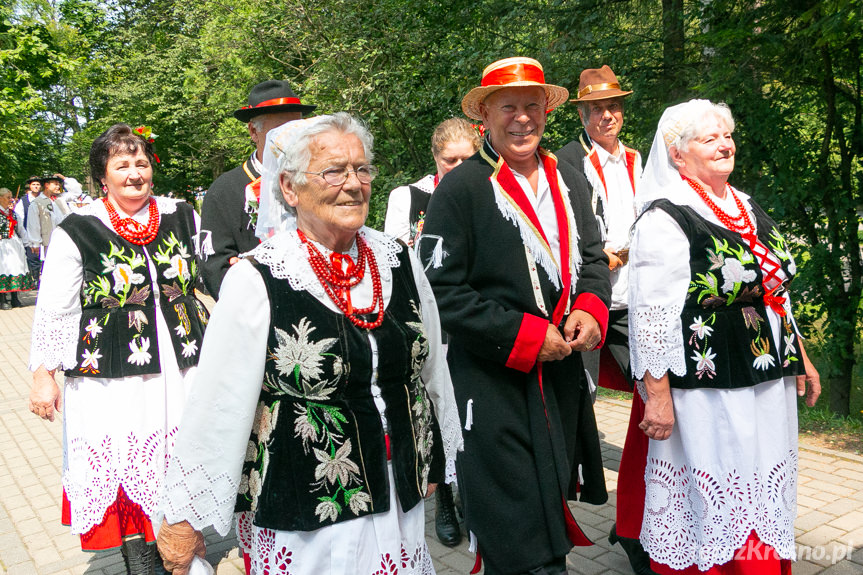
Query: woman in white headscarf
(718,355)
(325,403)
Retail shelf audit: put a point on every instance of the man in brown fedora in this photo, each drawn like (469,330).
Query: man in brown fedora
(513,254)
(613,170)
(230,208)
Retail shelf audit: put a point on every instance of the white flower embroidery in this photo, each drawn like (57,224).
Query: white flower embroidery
(244,485)
(299,352)
(181,331)
(303,428)
(338,466)
(792,267)
(251,451)
(190,348)
(733,273)
(265,421)
(254,487)
(179,268)
(789,344)
(327,509)
(93,328)
(91,359)
(700,328)
(359,502)
(140,355)
(763,361)
(124,277)
(705,360)
(108,263)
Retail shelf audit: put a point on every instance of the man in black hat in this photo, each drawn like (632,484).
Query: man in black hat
(45,213)
(230,209)
(33,187)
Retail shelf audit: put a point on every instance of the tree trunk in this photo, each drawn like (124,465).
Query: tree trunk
(673,39)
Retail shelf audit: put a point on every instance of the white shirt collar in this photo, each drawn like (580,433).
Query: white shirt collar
(605,156)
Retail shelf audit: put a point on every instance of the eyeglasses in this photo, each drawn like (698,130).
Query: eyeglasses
(338,176)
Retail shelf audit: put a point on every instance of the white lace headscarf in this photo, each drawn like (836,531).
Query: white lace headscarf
(661,179)
(287,150)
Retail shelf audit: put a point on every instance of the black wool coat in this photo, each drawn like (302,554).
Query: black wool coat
(224,215)
(524,442)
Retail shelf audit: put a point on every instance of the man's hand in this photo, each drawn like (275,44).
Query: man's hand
(659,409)
(614,262)
(554,347)
(581,331)
(45,397)
(34,249)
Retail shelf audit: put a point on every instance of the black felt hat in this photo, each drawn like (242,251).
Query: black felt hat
(271,97)
(33,179)
(50,177)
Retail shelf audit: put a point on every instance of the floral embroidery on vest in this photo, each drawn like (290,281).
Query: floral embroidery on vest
(182,267)
(423,436)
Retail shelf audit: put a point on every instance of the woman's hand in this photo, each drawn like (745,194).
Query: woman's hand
(178,544)
(431,489)
(811,377)
(659,409)
(45,397)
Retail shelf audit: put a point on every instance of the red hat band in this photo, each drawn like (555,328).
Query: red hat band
(274,102)
(514,73)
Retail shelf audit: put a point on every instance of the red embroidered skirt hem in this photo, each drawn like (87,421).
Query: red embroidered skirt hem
(122,519)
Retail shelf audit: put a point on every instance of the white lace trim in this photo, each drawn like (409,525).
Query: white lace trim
(693,517)
(54,341)
(202,500)
(657,341)
(543,258)
(136,463)
(167,205)
(270,555)
(282,252)
(426,183)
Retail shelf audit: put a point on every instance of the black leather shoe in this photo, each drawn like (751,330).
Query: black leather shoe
(639,560)
(139,557)
(445,521)
(15,301)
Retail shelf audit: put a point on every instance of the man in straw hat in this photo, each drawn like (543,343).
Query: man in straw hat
(513,254)
(613,170)
(230,208)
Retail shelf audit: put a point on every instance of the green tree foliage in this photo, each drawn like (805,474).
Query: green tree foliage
(790,70)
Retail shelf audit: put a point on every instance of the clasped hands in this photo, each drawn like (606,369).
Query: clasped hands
(581,332)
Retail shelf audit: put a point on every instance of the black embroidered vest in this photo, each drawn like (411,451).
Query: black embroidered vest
(419,205)
(317,454)
(727,337)
(118,317)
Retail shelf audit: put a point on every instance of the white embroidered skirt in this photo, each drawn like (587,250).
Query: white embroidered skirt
(121,432)
(391,542)
(729,467)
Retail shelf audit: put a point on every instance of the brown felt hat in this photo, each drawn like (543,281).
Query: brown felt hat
(598,84)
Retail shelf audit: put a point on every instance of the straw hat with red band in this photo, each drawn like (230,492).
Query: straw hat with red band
(598,84)
(511,73)
(271,97)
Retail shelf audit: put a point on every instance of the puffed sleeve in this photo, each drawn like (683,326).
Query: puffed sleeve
(658,282)
(204,473)
(397,222)
(56,321)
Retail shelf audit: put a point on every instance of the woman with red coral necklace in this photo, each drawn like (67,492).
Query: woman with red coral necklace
(719,358)
(326,339)
(117,313)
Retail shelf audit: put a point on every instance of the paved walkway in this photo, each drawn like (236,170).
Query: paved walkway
(32,541)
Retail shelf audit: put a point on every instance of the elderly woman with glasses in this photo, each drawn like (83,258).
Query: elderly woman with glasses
(324,394)
(719,356)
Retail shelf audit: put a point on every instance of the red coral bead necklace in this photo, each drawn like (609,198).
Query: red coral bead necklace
(337,282)
(131,230)
(740,223)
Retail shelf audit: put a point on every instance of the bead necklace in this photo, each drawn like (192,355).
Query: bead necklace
(332,278)
(131,230)
(740,223)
